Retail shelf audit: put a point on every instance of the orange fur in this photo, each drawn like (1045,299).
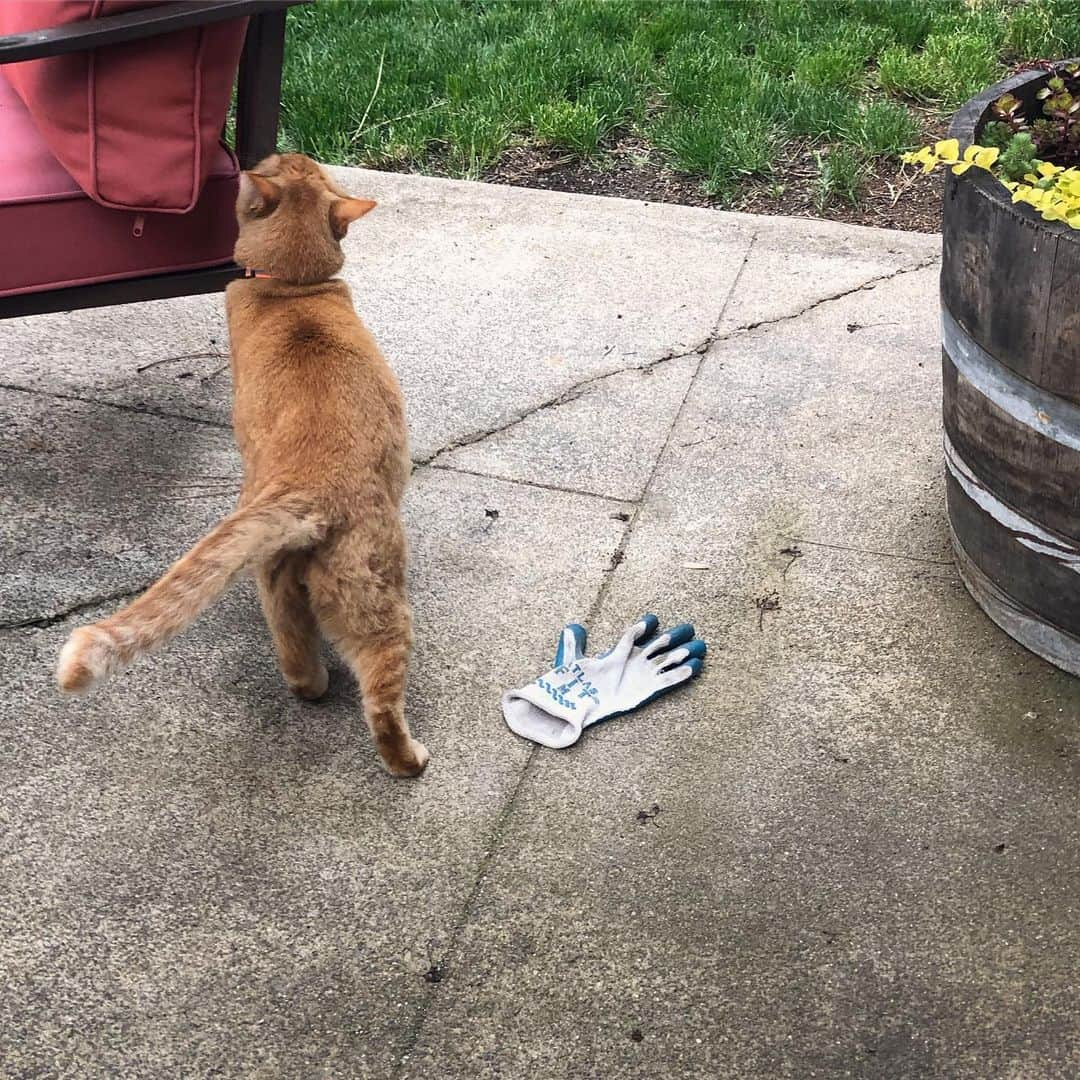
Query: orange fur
(320,423)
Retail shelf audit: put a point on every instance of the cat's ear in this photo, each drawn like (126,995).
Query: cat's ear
(343,212)
(259,194)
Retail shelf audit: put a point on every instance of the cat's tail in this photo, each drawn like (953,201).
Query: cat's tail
(274,521)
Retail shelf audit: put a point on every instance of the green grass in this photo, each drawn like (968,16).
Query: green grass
(718,87)
(840,172)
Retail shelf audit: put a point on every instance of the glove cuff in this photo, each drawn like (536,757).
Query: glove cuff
(535,712)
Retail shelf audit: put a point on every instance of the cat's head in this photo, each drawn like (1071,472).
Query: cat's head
(292,219)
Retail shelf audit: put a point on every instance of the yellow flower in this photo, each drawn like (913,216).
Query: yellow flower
(1069,185)
(1052,190)
(948,150)
(923,157)
(981,156)
(1031,196)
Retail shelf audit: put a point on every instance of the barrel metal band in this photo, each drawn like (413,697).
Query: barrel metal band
(1032,632)
(1038,409)
(1024,532)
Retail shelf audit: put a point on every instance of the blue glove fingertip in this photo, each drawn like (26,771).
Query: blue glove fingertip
(694,664)
(697,648)
(576,648)
(651,623)
(679,635)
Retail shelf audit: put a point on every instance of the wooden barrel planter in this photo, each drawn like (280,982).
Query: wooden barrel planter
(1010,309)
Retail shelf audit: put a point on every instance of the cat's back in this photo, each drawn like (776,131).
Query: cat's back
(308,373)
(304,338)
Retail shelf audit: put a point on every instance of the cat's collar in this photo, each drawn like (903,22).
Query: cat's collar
(250,273)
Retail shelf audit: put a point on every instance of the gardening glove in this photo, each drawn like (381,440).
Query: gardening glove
(580,690)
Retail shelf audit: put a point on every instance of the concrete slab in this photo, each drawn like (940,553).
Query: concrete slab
(794,265)
(98,500)
(498,286)
(604,437)
(863,862)
(201,875)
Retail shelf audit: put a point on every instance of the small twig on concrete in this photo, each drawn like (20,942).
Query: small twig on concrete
(871,551)
(795,552)
(853,326)
(769,602)
(698,442)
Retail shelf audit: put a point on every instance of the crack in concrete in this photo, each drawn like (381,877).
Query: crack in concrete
(140,410)
(564,397)
(42,622)
(577,390)
(534,484)
(872,283)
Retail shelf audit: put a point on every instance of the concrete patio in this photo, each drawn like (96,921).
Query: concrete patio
(865,858)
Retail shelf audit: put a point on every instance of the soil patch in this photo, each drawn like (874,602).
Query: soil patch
(891,197)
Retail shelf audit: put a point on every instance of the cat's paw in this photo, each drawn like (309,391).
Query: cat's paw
(410,762)
(88,656)
(312,689)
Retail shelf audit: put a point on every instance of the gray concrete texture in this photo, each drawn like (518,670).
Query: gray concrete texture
(848,849)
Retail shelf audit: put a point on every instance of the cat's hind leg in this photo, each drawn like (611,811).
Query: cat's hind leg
(287,608)
(380,666)
(367,619)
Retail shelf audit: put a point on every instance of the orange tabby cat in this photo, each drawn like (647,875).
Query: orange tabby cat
(320,422)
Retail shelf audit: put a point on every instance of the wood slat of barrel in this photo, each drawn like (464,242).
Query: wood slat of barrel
(1010,296)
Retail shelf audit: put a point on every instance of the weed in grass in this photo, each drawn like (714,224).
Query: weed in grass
(884,127)
(1043,28)
(722,148)
(907,21)
(817,112)
(840,173)
(568,125)
(831,67)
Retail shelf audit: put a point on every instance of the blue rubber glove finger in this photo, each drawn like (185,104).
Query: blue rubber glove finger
(670,679)
(571,644)
(670,639)
(624,646)
(692,650)
(652,624)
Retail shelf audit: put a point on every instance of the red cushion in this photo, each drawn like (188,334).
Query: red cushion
(52,234)
(135,124)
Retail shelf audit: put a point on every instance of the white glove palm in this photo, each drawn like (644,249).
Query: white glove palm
(580,690)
